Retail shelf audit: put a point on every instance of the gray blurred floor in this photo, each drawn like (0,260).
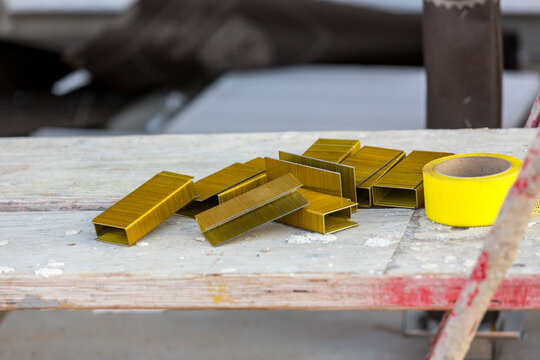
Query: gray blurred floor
(330,97)
(238,335)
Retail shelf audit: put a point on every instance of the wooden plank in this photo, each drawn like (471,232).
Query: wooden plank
(394,259)
(93,173)
(53,261)
(277,292)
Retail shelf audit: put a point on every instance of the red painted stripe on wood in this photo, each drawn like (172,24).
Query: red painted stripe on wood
(301,291)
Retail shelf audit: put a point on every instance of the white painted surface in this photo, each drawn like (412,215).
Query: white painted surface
(51,189)
(329,97)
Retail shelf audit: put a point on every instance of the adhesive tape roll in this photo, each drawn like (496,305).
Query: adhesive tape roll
(468,189)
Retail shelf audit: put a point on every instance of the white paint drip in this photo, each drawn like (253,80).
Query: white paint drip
(142,243)
(201,239)
(6,269)
(73,232)
(310,237)
(378,242)
(4,242)
(48,272)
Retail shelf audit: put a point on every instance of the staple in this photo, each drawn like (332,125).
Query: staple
(209,187)
(247,211)
(348,182)
(370,164)
(145,208)
(325,213)
(334,150)
(324,181)
(402,186)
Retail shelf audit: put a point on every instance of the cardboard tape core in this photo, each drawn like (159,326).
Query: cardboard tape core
(471,167)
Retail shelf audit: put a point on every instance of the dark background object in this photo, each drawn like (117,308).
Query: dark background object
(185,44)
(26,102)
(463,60)
(164,42)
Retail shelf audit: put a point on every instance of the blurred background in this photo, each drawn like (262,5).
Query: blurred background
(122,67)
(113,67)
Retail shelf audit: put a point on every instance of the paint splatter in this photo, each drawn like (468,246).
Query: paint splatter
(142,243)
(4,242)
(73,232)
(266,250)
(48,272)
(479,272)
(308,238)
(378,242)
(201,239)
(472,295)
(6,269)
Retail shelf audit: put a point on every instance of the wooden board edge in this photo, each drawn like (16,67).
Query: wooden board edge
(271,292)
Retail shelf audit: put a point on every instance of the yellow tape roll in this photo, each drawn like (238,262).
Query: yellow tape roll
(468,189)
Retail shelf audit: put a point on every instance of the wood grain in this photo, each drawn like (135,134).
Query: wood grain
(395,258)
(81,173)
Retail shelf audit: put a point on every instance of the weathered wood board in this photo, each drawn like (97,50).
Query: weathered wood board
(50,189)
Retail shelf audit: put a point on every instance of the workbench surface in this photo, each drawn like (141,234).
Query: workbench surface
(51,189)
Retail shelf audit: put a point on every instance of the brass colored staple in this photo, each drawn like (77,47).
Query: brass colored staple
(327,182)
(370,164)
(403,186)
(348,182)
(334,150)
(223,179)
(243,187)
(209,187)
(325,214)
(145,208)
(245,212)
(246,185)
(258,162)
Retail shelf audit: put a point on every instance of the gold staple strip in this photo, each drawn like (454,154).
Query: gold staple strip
(348,182)
(246,185)
(334,150)
(325,214)
(243,187)
(209,187)
(145,208)
(370,164)
(403,186)
(327,182)
(245,212)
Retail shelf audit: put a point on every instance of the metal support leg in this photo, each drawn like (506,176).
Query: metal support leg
(495,327)
(2,316)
